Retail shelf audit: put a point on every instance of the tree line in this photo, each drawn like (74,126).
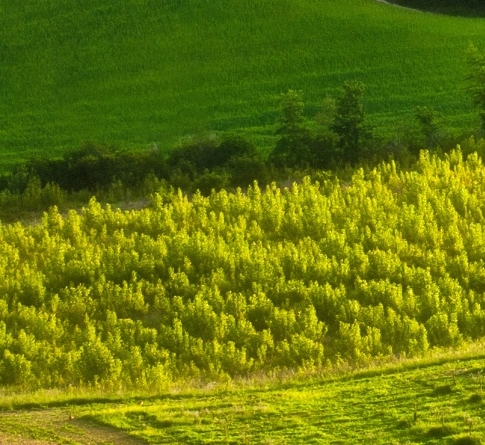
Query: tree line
(337,138)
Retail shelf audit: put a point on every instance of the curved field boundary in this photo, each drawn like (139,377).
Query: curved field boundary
(403,7)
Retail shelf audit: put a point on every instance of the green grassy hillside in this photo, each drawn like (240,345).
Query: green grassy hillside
(438,402)
(378,408)
(154,71)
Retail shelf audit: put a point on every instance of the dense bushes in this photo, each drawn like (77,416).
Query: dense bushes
(96,167)
(388,263)
(208,164)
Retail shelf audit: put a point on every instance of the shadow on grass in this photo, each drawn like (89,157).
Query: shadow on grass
(464,8)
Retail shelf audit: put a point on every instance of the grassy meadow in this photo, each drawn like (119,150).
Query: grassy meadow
(439,401)
(343,307)
(154,72)
(354,409)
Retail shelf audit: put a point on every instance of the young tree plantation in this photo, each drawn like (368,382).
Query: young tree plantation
(389,263)
(242,221)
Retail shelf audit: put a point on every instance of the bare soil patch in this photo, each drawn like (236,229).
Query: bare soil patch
(54,426)
(6,439)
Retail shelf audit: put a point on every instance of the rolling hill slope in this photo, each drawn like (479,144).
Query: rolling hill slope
(154,71)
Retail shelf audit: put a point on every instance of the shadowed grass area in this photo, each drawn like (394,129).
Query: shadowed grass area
(466,8)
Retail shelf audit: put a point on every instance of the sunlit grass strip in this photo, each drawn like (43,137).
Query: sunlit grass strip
(409,405)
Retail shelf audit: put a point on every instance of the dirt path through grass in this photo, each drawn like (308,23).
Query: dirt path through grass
(55,426)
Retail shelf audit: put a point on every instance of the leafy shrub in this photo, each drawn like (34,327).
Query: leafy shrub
(207,155)
(467,440)
(244,170)
(195,156)
(441,431)
(234,147)
(96,363)
(209,181)
(15,369)
(93,167)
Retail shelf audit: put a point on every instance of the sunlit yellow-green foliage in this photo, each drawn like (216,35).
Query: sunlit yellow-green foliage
(388,263)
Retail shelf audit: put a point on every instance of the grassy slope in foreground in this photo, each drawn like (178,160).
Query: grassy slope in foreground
(151,71)
(438,401)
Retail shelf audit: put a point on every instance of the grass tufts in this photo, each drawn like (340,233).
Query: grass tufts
(441,431)
(443,390)
(476,398)
(467,440)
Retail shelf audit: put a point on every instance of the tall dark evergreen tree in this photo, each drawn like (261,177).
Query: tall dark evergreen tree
(349,121)
(293,147)
(476,79)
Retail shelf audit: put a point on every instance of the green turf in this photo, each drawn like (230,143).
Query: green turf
(154,71)
(378,409)
(438,401)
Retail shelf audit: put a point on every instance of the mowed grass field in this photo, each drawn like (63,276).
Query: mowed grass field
(152,72)
(434,402)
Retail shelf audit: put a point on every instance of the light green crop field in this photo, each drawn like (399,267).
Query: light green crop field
(151,72)
(434,402)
